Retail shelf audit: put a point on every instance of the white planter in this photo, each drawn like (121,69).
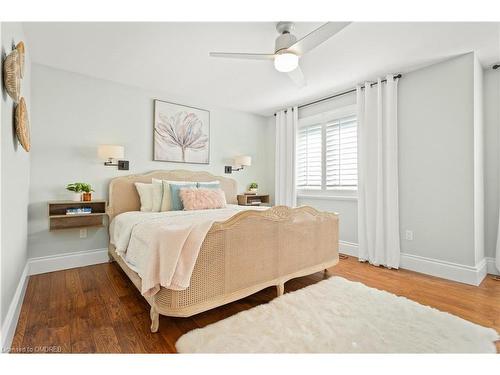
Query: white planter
(76,197)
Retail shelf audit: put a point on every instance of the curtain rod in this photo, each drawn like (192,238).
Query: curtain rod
(340,94)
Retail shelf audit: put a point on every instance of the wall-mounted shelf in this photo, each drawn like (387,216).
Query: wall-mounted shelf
(253,199)
(58,219)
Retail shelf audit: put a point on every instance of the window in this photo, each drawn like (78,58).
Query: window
(309,157)
(327,153)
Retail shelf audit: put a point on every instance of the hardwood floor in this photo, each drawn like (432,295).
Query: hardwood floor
(96,309)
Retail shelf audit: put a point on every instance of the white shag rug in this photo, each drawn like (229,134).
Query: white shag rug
(340,316)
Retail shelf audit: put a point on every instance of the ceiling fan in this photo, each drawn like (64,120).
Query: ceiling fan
(288,49)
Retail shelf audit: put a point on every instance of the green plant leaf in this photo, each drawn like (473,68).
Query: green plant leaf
(79,187)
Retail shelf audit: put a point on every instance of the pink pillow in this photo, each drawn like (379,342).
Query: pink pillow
(202,199)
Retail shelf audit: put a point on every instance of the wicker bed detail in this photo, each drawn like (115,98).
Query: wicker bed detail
(242,255)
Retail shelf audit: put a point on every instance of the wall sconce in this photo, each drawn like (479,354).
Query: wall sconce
(113,152)
(240,161)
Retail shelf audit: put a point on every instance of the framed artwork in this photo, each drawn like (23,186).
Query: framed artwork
(181,133)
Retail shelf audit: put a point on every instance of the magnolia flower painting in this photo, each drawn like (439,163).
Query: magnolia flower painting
(181,133)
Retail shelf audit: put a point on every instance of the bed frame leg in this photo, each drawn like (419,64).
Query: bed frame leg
(280,288)
(155,319)
(327,273)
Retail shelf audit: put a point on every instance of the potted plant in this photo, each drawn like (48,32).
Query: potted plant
(81,191)
(252,188)
(87,192)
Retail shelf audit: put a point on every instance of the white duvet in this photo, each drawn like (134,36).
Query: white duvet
(162,247)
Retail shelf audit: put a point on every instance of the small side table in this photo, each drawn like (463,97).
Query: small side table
(58,219)
(253,200)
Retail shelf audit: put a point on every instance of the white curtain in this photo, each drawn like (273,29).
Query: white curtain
(378,211)
(286,133)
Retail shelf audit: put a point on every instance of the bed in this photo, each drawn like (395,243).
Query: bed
(248,252)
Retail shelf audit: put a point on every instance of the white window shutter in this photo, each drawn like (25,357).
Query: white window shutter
(341,153)
(329,162)
(309,155)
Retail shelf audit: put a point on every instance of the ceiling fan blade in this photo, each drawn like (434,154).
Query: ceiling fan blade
(297,77)
(249,56)
(316,37)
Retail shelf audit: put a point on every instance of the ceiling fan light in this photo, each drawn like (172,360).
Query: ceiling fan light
(286,62)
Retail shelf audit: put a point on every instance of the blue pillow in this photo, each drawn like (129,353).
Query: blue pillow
(209,185)
(174,195)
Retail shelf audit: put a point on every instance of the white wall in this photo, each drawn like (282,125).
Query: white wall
(15,168)
(75,113)
(478,162)
(492,157)
(436,163)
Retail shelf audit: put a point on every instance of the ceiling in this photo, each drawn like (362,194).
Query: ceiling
(173,57)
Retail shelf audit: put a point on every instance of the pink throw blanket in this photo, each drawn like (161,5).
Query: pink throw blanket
(177,244)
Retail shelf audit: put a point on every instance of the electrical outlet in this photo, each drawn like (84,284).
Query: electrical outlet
(83,233)
(409,235)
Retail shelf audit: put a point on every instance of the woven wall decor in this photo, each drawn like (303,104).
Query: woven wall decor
(20,49)
(23,125)
(12,75)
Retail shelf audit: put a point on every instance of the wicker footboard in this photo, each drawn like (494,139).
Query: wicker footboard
(247,253)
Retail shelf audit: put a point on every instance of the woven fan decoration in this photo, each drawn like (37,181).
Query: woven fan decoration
(20,50)
(12,75)
(23,125)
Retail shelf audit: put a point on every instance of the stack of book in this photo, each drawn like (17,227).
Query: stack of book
(79,211)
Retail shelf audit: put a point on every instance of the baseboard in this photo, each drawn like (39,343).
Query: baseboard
(66,261)
(491,268)
(348,248)
(472,275)
(12,317)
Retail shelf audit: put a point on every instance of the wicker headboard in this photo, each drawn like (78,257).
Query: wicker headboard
(123,195)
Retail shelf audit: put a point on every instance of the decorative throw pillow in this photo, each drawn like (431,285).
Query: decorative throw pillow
(202,199)
(150,196)
(157,192)
(166,200)
(176,203)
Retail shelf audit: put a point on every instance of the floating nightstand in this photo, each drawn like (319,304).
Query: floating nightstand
(253,199)
(60,219)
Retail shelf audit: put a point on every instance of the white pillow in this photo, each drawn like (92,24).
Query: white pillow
(216,182)
(166,202)
(150,195)
(157,195)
